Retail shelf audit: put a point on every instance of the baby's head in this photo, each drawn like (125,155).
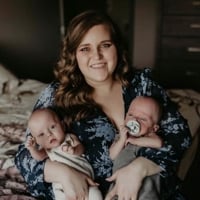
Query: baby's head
(46,127)
(144,114)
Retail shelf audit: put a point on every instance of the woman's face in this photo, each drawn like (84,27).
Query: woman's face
(97,55)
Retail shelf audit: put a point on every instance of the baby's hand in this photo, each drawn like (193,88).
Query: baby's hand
(30,142)
(68,148)
(123,132)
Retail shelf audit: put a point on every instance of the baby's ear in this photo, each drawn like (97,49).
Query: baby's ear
(63,125)
(156,127)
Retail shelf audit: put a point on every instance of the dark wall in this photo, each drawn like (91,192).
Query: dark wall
(73,7)
(30,38)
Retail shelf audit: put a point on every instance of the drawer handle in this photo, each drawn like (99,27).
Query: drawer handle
(193,49)
(194,25)
(196,3)
(190,73)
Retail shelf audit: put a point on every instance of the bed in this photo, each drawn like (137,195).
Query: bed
(17,97)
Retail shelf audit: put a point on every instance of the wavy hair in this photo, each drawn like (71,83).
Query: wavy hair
(73,93)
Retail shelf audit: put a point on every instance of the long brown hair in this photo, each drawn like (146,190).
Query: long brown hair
(73,93)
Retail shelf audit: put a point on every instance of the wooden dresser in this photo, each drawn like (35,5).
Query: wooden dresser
(178,61)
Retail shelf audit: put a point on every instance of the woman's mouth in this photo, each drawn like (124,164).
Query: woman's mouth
(98,65)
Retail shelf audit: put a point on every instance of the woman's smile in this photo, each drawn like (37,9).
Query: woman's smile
(98,65)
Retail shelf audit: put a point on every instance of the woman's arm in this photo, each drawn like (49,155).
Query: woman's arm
(176,139)
(174,129)
(39,174)
(138,169)
(75,184)
(30,169)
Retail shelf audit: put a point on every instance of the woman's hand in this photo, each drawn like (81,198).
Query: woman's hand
(75,184)
(125,186)
(128,180)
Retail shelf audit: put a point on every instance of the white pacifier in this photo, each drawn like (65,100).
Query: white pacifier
(134,127)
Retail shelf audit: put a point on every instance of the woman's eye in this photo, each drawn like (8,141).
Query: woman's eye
(106,45)
(85,49)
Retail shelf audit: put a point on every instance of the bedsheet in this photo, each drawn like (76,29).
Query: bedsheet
(17,98)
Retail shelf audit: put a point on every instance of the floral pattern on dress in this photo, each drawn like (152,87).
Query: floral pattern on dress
(97,134)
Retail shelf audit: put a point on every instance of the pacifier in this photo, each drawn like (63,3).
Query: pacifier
(134,127)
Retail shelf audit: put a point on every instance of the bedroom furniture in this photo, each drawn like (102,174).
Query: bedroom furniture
(179,46)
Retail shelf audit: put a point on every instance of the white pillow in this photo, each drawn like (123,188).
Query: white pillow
(8,81)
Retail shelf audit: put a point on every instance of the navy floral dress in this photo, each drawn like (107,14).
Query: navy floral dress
(97,134)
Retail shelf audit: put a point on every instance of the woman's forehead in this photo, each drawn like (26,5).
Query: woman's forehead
(97,32)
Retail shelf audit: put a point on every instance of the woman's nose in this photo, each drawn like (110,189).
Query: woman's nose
(97,53)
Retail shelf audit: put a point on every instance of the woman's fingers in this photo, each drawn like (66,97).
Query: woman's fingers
(91,182)
(111,194)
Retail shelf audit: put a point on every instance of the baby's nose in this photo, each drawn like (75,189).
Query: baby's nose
(49,133)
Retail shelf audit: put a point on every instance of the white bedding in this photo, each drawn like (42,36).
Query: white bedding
(16,105)
(17,98)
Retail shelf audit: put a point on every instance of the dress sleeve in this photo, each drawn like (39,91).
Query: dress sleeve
(30,169)
(174,128)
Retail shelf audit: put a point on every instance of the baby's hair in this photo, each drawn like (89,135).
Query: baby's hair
(62,115)
(160,107)
(157,103)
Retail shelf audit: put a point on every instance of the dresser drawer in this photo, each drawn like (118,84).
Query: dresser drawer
(180,48)
(181,26)
(183,67)
(178,60)
(180,76)
(172,81)
(181,7)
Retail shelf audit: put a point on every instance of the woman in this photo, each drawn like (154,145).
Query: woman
(94,87)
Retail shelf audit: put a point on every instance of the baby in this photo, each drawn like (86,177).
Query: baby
(139,130)
(50,140)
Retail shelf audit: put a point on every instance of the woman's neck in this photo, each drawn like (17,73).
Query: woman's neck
(109,96)
(105,89)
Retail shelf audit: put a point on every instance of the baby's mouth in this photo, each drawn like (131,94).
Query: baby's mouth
(52,141)
(134,127)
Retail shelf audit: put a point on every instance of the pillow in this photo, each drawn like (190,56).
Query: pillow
(8,81)
(189,105)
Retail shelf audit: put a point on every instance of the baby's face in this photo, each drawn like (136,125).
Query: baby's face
(140,113)
(47,130)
